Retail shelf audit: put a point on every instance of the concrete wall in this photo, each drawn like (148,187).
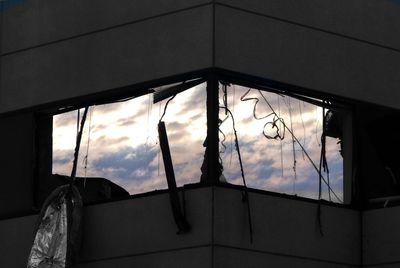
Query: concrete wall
(17,164)
(16,241)
(54,50)
(316,45)
(375,22)
(286,233)
(34,23)
(381,236)
(141,232)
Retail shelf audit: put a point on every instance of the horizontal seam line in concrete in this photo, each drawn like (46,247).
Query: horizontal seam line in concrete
(310,27)
(287,255)
(105,29)
(381,263)
(142,254)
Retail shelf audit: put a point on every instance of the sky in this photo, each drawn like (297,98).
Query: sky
(120,143)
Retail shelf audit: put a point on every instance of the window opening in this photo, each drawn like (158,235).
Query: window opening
(277,138)
(122,141)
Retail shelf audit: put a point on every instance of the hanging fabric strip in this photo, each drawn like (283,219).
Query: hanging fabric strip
(179,216)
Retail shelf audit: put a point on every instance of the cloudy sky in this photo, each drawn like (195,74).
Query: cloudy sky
(121,143)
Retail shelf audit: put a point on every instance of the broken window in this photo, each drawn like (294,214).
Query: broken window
(279,138)
(120,141)
(280,143)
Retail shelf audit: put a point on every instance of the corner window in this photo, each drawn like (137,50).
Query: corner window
(279,136)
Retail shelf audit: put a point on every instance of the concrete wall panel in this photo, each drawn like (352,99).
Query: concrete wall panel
(288,227)
(320,61)
(144,225)
(35,22)
(127,55)
(17,139)
(238,258)
(370,20)
(16,241)
(381,234)
(125,233)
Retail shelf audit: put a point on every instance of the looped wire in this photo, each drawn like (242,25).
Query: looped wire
(273,123)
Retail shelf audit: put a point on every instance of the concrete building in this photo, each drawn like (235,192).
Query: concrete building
(57,54)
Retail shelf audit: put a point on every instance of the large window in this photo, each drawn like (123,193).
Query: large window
(120,141)
(279,138)
(280,143)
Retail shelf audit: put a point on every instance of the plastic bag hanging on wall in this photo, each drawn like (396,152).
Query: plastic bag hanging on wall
(58,230)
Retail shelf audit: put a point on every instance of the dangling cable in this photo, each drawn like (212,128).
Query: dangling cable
(321,178)
(280,141)
(77,146)
(85,161)
(304,127)
(78,120)
(320,195)
(221,151)
(233,111)
(301,146)
(323,149)
(166,106)
(159,148)
(162,116)
(223,135)
(323,164)
(277,120)
(245,98)
(58,231)
(274,122)
(225,101)
(316,127)
(149,110)
(245,194)
(225,97)
(289,106)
